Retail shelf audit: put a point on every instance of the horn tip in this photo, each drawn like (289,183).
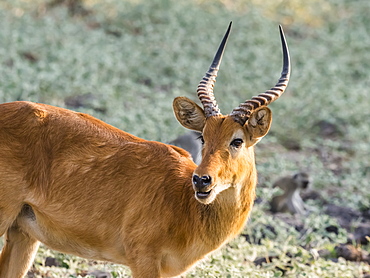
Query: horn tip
(228,29)
(281,30)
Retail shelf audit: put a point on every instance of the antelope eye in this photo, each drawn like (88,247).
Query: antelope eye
(236,143)
(201,138)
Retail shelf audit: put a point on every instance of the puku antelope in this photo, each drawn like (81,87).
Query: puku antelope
(83,187)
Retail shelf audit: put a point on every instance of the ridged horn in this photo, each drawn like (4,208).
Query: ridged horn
(242,113)
(205,87)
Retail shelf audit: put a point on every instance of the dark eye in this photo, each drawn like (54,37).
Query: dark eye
(236,143)
(201,139)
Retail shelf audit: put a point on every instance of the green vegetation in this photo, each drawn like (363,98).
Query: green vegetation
(127,60)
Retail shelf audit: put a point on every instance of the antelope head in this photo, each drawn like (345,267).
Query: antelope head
(228,140)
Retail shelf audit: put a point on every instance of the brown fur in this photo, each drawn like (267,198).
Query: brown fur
(83,187)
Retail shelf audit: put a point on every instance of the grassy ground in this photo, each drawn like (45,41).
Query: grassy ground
(124,62)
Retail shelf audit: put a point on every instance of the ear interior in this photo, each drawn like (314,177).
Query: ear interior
(189,114)
(259,124)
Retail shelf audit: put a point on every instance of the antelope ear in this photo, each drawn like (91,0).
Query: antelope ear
(258,124)
(189,114)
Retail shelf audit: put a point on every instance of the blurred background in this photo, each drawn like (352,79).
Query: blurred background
(124,61)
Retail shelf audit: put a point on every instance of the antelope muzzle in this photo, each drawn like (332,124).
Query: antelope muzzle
(202,186)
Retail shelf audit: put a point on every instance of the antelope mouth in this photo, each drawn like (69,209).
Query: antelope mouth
(203,195)
(206,197)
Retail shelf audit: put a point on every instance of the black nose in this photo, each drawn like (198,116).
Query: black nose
(201,182)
